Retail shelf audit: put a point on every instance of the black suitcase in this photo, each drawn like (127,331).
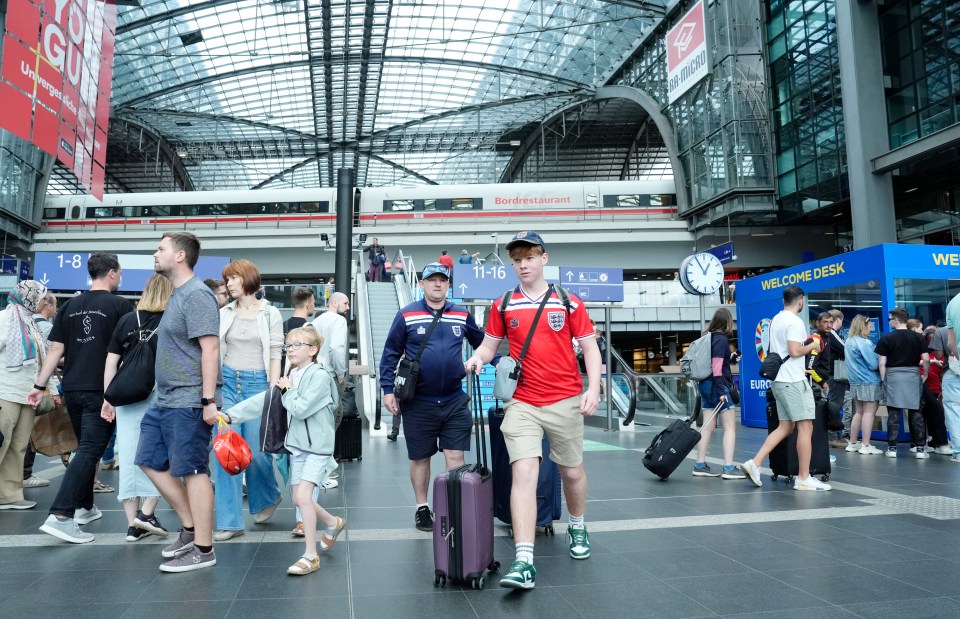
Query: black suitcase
(671,446)
(348,444)
(548,484)
(783,458)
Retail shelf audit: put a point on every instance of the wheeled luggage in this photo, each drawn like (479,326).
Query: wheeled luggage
(783,459)
(671,446)
(548,484)
(348,443)
(463,515)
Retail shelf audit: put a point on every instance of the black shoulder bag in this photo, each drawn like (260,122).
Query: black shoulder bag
(408,371)
(508,370)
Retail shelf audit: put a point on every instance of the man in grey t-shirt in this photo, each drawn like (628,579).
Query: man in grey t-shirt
(174,448)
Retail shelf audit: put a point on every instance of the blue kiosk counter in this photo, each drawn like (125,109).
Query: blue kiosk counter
(871,281)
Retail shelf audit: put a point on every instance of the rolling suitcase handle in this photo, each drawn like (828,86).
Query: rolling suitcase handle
(716,411)
(476,412)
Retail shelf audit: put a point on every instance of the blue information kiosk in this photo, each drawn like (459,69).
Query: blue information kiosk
(871,281)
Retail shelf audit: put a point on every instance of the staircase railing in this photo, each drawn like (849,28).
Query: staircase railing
(368,384)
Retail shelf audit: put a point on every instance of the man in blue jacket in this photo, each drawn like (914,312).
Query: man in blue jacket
(438,415)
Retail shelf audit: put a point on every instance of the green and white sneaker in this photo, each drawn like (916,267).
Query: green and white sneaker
(521,575)
(579,542)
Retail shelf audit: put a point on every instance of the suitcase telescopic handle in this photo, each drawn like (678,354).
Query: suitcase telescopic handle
(476,404)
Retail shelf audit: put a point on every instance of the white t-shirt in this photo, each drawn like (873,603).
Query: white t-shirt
(787,326)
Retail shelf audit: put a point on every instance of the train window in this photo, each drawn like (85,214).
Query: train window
(666,199)
(309,207)
(461,204)
(591,200)
(656,199)
(398,205)
(103,211)
(325,206)
(189,209)
(54,213)
(430,205)
(623,201)
(162,211)
(219,209)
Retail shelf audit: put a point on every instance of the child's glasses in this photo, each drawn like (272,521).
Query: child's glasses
(293,346)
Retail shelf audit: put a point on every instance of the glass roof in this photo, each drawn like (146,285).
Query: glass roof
(264,93)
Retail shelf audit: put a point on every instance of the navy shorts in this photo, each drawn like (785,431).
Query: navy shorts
(429,426)
(174,439)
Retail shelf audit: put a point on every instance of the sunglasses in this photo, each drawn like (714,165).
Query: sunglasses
(294,346)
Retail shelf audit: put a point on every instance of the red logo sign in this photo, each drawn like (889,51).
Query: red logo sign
(687,35)
(55,80)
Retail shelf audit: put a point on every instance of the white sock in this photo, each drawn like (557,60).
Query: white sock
(419,505)
(576,522)
(309,557)
(525,552)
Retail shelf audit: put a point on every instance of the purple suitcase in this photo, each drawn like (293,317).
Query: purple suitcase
(463,516)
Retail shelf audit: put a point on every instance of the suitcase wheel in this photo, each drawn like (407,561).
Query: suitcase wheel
(510,532)
(549,530)
(824,478)
(477,583)
(494,567)
(773,477)
(359,458)
(439,581)
(788,479)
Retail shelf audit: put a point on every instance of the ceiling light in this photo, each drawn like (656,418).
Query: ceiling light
(182,154)
(911,189)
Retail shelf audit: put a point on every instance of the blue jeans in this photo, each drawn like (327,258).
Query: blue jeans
(262,488)
(950,388)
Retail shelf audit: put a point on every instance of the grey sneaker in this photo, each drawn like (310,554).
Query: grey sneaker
(67,530)
(38,482)
(184,543)
(86,516)
(733,473)
(704,471)
(191,560)
(21,504)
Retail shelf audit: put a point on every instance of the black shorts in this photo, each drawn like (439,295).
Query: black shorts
(429,426)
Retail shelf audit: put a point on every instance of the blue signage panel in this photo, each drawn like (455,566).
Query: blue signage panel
(482,281)
(68,271)
(593,284)
(723,252)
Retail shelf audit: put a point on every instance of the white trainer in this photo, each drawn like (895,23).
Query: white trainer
(869,450)
(811,483)
(854,446)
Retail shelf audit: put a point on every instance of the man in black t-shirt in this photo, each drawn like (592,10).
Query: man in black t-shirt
(304,305)
(902,352)
(80,335)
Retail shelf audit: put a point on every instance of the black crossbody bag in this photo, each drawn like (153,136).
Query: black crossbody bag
(408,370)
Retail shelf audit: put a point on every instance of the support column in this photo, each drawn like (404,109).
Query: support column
(865,122)
(344,230)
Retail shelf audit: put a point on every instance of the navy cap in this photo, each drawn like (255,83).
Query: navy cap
(527,236)
(435,268)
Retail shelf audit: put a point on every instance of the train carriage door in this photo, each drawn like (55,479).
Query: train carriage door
(592,205)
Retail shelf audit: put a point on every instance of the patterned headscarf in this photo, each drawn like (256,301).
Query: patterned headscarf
(24,344)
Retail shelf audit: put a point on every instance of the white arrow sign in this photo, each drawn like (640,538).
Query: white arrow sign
(569,275)
(44,280)
(463,288)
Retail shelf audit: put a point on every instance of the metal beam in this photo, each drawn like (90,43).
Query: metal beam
(224,118)
(177,12)
(348,58)
(176,164)
(924,147)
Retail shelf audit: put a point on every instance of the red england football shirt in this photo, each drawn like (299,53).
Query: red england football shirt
(549,371)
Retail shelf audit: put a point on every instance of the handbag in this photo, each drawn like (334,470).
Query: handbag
(273,423)
(136,376)
(53,433)
(408,371)
(508,369)
(232,451)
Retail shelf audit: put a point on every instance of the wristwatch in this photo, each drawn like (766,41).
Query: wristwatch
(206,401)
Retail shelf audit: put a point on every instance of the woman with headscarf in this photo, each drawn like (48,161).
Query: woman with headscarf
(22,348)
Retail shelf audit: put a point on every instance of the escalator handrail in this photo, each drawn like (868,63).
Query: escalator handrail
(363,299)
(631,389)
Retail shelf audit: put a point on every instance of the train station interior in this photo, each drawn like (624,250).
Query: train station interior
(631,134)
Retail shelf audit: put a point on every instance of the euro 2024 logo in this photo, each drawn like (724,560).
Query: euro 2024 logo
(762,338)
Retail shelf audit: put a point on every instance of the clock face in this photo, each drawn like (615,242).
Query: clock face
(703,273)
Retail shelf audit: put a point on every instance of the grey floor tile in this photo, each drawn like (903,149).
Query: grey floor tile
(262,583)
(723,535)
(848,585)
(604,568)
(285,554)
(397,551)
(333,607)
(638,541)
(643,598)
(775,555)
(43,559)
(801,529)
(930,608)
(763,592)
(206,609)
(680,562)
(381,517)
(820,612)
(445,604)
(217,583)
(66,609)
(117,586)
(542,601)
(396,579)
(862,550)
(127,557)
(938,576)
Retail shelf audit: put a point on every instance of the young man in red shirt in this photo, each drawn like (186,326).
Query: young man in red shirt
(549,398)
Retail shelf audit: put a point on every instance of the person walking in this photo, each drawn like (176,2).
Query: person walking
(24,349)
(863,370)
(792,391)
(251,337)
(174,447)
(43,316)
(136,492)
(950,383)
(80,335)
(933,412)
(900,352)
(378,257)
(549,398)
(716,391)
(437,417)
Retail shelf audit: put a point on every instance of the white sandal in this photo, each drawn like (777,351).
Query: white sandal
(304,566)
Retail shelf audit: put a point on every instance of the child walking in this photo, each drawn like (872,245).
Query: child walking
(310,397)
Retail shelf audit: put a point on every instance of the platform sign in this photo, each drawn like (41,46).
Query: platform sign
(482,281)
(724,252)
(593,284)
(68,270)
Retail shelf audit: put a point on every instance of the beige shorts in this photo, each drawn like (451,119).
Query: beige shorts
(524,425)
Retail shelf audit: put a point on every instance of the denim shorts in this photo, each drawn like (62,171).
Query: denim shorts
(709,398)
(174,439)
(429,424)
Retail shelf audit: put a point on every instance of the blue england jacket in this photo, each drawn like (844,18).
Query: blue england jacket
(441,365)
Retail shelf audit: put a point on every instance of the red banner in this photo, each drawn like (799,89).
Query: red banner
(55,80)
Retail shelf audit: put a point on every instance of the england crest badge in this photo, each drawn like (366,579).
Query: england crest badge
(556,320)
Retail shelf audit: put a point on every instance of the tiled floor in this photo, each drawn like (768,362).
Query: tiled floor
(879,545)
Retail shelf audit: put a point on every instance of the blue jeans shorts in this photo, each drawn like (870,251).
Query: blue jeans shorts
(174,439)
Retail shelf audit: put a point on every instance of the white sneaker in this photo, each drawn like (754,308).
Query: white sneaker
(330,484)
(943,450)
(854,446)
(811,483)
(86,516)
(752,471)
(891,452)
(869,450)
(915,449)
(955,458)
(922,455)
(37,482)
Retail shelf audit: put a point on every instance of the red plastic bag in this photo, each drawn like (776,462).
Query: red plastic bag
(232,451)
